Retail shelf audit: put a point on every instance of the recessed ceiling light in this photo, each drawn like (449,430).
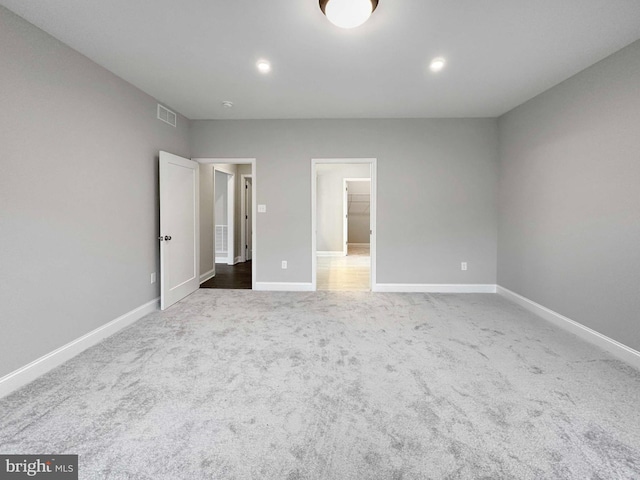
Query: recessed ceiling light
(263,66)
(348,13)
(437,64)
(227,104)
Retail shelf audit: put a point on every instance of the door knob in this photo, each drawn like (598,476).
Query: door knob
(167,237)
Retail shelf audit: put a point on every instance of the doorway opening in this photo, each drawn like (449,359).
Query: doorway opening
(227,223)
(343,224)
(224,215)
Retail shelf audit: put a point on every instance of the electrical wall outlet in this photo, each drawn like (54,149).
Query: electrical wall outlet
(463,266)
(262,209)
(284,264)
(153,277)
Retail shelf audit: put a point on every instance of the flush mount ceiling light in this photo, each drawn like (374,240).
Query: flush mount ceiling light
(263,66)
(348,13)
(437,64)
(227,104)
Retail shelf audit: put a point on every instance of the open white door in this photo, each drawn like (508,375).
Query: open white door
(248,191)
(179,228)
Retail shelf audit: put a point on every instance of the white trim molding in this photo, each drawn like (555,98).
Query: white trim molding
(621,351)
(433,288)
(336,253)
(284,287)
(24,375)
(206,276)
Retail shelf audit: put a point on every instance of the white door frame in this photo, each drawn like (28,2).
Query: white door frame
(243,212)
(345,211)
(254,242)
(314,221)
(231,213)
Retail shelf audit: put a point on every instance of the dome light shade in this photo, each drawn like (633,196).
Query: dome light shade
(263,66)
(348,13)
(437,64)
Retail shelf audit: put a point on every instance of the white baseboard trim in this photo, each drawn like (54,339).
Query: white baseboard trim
(24,375)
(321,253)
(433,288)
(612,346)
(224,260)
(206,276)
(237,260)
(360,244)
(284,287)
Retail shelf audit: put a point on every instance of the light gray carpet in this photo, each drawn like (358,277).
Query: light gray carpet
(260,385)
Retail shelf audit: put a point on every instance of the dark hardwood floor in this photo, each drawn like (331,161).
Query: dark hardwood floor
(230,276)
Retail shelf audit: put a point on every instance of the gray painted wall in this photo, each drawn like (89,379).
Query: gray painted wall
(330,202)
(570,198)
(206,219)
(78,193)
(437,191)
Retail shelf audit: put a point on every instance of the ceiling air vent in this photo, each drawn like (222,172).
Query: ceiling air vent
(167,116)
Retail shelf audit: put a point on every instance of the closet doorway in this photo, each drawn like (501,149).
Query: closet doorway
(357,217)
(343,224)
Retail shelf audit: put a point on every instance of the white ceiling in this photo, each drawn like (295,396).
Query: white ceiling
(193,54)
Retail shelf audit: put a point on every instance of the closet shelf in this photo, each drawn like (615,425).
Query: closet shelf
(360,200)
